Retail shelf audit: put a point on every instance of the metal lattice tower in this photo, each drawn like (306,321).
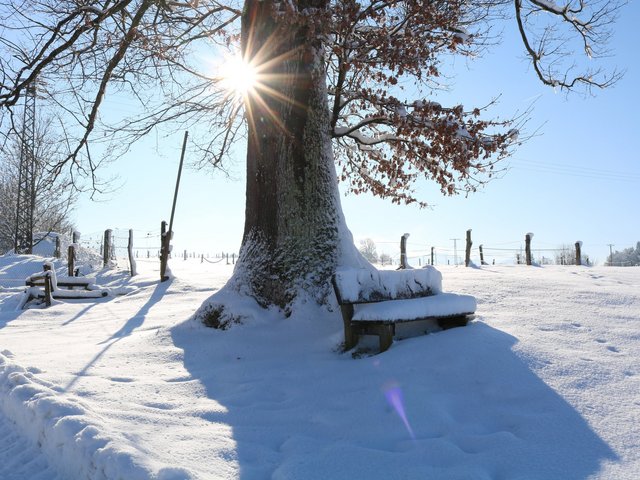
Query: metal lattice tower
(27,176)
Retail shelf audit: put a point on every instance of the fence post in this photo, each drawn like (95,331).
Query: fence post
(184,255)
(432,254)
(75,237)
(403,251)
(467,253)
(527,247)
(71,260)
(132,262)
(164,250)
(482,262)
(106,253)
(57,252)
(578,252)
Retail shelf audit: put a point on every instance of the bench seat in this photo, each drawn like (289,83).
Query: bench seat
(407,310)
(88,283)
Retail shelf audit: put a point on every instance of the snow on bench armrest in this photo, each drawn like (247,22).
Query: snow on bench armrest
(358,285)
(441,305)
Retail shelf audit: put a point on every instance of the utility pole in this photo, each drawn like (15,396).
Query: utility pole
(455,250)
(611,245)
(26,201)
(166,237)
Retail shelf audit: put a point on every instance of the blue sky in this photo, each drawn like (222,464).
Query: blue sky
(576,180)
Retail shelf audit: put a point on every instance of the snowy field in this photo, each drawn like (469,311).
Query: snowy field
(544,384)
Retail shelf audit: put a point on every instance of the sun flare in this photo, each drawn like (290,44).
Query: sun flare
(239,76)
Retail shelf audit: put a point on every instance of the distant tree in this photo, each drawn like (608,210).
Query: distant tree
(385,259)
(53,193)
(629,257)
(322,82)
(566,255)
(368,250)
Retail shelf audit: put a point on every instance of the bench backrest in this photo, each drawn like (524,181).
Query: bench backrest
(370,285)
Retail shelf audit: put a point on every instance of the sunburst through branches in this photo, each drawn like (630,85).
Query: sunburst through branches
(239,77)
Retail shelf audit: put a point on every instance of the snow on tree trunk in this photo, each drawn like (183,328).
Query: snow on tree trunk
(295,234)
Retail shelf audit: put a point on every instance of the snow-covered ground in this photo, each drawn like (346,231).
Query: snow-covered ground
(544,384)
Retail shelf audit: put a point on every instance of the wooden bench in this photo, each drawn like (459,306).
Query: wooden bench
(51,286)
(373,301)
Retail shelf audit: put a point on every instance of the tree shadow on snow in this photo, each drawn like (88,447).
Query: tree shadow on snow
(136,321)
(459,404)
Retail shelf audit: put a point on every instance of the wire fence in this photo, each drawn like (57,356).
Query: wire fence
(504,253)
(147,243)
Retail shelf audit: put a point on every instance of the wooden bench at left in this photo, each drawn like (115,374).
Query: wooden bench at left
(50,286)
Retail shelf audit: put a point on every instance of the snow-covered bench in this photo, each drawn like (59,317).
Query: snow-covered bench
(51,287)
(373,301)
(87,283)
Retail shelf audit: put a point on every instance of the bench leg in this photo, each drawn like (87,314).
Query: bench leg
(350,336)
(350,333)
(48,290)
(453,322)
(385,332)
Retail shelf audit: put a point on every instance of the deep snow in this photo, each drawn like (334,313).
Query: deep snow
(542,385)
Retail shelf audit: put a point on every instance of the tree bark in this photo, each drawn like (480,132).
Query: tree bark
(295,234)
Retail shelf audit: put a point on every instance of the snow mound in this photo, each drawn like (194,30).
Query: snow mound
(69,435)
(87,260)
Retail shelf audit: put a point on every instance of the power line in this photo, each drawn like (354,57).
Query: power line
(574,170)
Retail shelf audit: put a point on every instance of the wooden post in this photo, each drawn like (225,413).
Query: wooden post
(168,236)
(403,252)
(432,254)
(233,258)
(164,250)
(527,247)
(75,237)
(106,253)
(48,288)
(227,259)
(482,262)
(71,260)
(184,255)
(132,262)
(578,252)
(467,253)
(57,253)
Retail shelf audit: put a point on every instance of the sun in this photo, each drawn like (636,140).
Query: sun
(239,77)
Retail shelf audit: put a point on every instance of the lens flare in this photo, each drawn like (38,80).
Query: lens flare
(393,394)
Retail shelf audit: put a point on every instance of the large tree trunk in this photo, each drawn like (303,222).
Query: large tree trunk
(295,234)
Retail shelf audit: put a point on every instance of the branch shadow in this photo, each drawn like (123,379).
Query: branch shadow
(465,406)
